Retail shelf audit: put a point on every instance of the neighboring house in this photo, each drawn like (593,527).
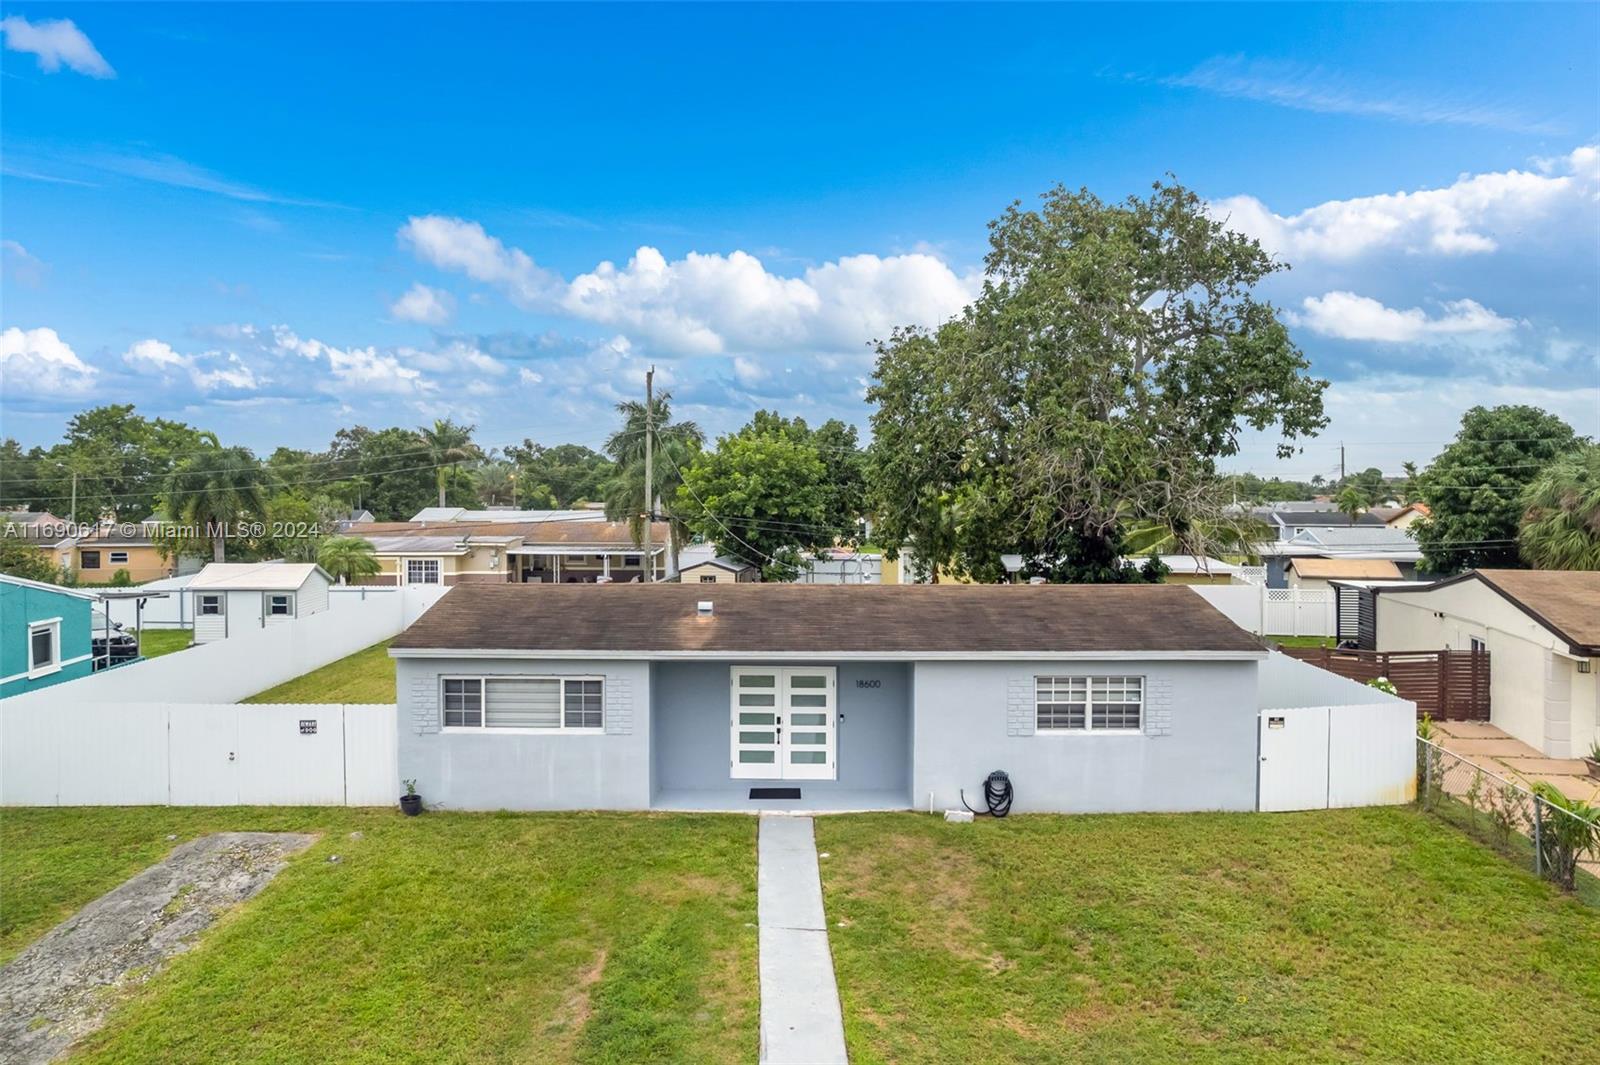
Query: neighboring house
(673,696)
(500,552)
(700,565)
(1315,573)
(1376,542)
(1542,631)
(843,565)
(133,547)
(462,515)
(1401,517)
(1288,520)
(52,535)
(45,635)
(354,517)
(227,598)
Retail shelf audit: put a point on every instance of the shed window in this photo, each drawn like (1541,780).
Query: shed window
(708,578)
(422,571)
(280,606)
(1088,704)
(119,556)
(556,704)
(210,606)
(44,646)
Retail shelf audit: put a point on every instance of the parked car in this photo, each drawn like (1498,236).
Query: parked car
(114,649)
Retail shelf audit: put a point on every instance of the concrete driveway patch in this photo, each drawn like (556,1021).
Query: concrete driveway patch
(62,987)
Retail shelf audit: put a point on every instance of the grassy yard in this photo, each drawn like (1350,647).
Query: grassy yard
(153,643)
(1303,641)
(364,677)
(443,938)
(1340,935)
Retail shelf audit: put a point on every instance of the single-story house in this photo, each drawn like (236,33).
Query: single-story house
(227,598)
(565,551)
(1542,631)
(462,515)
(703,566)
(133,547)
(1401,517)
(1288,520)
(1318,572)
(53,536)
(45,634)
(679,696)
(1371,543)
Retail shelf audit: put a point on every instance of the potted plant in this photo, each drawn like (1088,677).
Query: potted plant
(410,802)
(1592,759)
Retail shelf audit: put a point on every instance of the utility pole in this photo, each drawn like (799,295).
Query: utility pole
(72,514)
(649,469)
(1341,463)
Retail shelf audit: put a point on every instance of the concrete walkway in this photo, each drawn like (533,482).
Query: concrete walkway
(800,1019)
(1481,743)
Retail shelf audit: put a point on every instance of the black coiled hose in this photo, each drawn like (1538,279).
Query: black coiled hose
(997,794)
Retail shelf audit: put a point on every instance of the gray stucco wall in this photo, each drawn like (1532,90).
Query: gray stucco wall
(498,770)
(1198,750)
(690,710)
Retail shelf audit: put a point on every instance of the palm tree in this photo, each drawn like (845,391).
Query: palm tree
(347,558)
(1561,524)
(1351,501)
(448,444)
(214,490)
(676,444)
(496,482)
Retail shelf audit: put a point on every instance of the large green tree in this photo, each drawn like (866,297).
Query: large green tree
(1474,488)
(1115,354)
(762,495)
(560,476)
(1561,521)
(386,471)
(211,492)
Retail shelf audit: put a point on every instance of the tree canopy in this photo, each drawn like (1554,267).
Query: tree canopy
(1115,354)
(1561,521)
(1475,488)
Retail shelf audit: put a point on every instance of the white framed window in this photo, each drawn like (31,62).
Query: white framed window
(422,571)
(210,606)
(708,578)
(280,605)
(1088,704)
(44,647)
(119,556)
(524,704)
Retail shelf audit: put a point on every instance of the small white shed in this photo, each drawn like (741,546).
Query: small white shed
(227,598)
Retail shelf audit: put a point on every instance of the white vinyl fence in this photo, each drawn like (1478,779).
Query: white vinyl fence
(1273,611)
(250,661)
(192,754)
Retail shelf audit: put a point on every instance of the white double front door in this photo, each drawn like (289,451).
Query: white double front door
(783,723)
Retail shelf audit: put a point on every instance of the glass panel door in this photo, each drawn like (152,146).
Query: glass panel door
(754,723)
(809,724)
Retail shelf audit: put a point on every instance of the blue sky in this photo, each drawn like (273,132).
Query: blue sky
(274,221)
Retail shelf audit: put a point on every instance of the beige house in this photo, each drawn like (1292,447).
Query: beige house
(134,547)
(1315,573)
(549,552)
(1542,631)
(723,569)
(1402,517)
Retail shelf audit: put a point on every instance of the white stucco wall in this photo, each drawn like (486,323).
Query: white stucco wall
(1535,691)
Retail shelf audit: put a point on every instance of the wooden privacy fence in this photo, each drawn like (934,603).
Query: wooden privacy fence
(1449,685)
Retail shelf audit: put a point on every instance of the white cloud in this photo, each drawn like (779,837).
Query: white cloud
(462,246)
(748,372)
(1309,88)
(1347,316)
(57,43)
(19,265)
(210,371)
(1472,216)
(38,362)
(529,377)
(707,304)
(424,305)
(365,369)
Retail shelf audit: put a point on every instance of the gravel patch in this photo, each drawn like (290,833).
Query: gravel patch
(62,987)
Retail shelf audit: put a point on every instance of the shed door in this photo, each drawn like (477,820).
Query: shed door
(1294,759)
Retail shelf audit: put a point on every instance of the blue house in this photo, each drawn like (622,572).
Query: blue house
(45,635)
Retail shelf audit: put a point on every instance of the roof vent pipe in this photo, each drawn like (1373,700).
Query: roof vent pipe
(703,608)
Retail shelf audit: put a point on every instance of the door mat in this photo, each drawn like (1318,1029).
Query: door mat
(774,793)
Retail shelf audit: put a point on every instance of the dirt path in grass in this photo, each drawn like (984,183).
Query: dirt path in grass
(62,987)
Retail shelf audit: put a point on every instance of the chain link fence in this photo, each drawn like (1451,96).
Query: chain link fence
(1534,828)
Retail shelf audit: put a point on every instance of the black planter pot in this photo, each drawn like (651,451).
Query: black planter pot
(411,805)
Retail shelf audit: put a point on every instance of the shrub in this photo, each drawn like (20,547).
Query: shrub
(1567,831)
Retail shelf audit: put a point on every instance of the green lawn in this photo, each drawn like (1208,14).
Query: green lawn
(153,643)
(443,938)
(1303,641)
(1377,935)
(364,677)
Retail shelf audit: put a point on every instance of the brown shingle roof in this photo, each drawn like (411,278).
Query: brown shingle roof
(775,618)
(532,532)
(1565,601)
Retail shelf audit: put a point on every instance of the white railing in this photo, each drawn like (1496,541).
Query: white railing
(197,754)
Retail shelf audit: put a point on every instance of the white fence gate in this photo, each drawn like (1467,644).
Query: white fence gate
(1273,611)
(196,754)
(1320,757)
